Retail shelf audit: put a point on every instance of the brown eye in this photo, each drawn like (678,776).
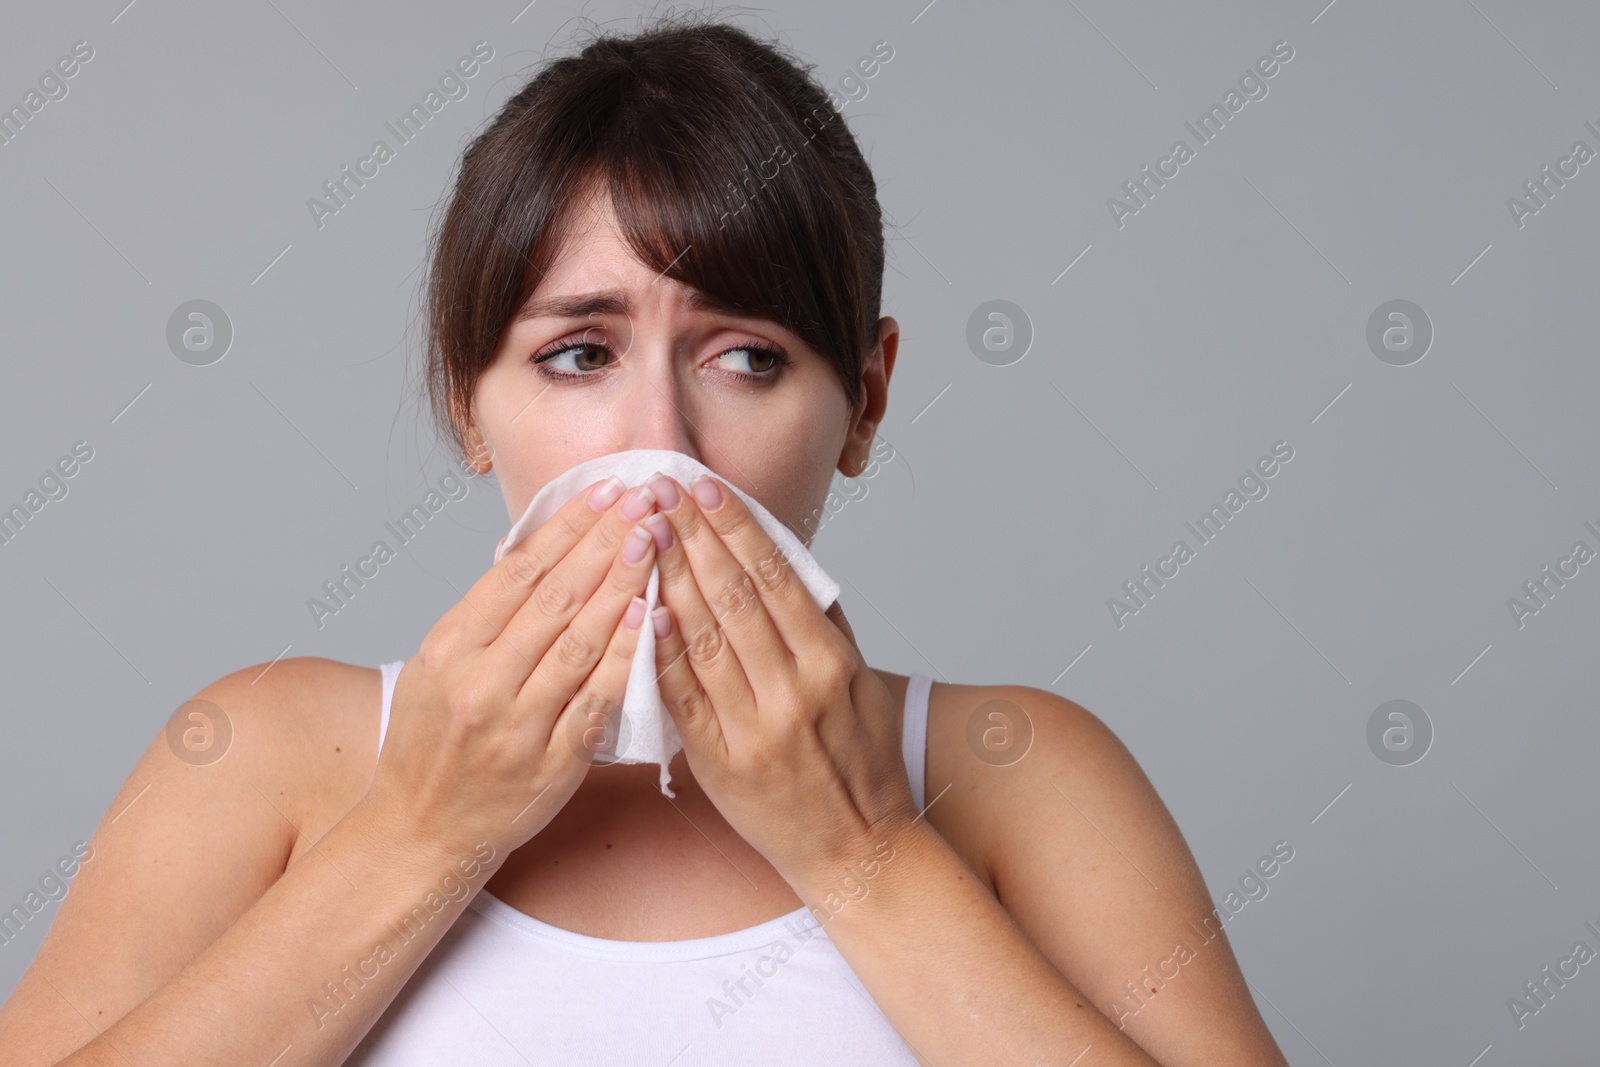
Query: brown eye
(760,360)
(587,355)
(590,353)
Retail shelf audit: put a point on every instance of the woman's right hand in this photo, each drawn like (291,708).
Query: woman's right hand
(497,718)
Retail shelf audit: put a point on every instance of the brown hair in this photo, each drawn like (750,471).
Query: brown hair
(729,171)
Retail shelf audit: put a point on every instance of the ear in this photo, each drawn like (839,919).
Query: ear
(868,413)
(479,456)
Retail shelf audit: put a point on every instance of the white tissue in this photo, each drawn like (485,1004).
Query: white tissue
(651,735)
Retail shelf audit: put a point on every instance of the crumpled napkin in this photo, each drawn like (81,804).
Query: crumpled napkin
(646,733)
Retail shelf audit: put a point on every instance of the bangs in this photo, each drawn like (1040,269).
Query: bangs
(727,170)
(739,213)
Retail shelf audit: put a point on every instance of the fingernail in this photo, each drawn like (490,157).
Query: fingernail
(666,492)
(605,494)
(661,529)
(661,621)
(707,492)
(633,618)
(637,544)
(639,500)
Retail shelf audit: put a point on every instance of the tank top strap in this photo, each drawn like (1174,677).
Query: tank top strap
(391,671)
(914,733)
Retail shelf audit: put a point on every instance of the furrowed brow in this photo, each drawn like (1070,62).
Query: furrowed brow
(695,300)
(581,306)
(611,302)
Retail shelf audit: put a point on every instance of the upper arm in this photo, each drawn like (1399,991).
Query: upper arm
(188,845)
(1087,859)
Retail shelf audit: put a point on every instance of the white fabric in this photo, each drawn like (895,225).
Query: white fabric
(504,989)
(647,733)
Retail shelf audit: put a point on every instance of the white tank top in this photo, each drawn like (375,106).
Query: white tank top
(503,989)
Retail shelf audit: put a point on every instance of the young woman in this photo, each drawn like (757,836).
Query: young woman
(668,241)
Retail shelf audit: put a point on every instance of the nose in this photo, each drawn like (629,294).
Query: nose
(654,409)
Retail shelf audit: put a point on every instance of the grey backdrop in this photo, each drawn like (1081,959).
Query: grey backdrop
(1168,354)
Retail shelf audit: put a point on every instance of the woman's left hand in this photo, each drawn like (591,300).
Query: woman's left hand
(792,736)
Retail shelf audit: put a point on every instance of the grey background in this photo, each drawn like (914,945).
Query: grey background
(1227,315)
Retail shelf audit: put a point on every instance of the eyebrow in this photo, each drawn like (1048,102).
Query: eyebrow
(611,302)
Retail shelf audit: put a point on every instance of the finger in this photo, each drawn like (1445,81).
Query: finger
(711,655)
(590,729)
(560,587)
(700,557)
(789,603)
(685,699)
(835,614)
(563,627)
(482,614)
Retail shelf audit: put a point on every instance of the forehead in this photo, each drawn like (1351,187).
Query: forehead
(611,300)
(595,272)
(593,254)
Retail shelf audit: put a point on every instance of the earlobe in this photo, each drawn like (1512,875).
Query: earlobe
(479,456)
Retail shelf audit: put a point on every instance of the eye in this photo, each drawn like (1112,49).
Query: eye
(763,361)
(583,353)
(575,359)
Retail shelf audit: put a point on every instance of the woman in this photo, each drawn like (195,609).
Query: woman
(669,241)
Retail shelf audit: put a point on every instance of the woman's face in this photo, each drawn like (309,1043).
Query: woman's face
(648,368)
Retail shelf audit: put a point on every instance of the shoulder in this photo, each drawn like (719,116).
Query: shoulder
(238,782)
(303,703)
(1080,850)
(1009,756)
(306,723)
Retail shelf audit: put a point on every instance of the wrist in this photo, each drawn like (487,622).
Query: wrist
(397,846)
(880,867)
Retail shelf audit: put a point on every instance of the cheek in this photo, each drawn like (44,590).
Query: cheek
(793,454)
(797,486)
(508,382)
(526,449)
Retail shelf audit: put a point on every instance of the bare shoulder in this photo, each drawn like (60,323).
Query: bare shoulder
(318,733)
(1016,761)
(230,790)
(309,728)
(1000,756)
(1077,845)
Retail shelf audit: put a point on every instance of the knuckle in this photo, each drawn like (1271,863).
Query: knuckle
(552,597)
(673,566)
(773,573)
(435,646)
(793,709)
(738,527)
(573,525)
(621,584)
(573,650)
(705,645)
(735,597)
(691,525)
(693,706)
(619,650)
(833,671)
(596,719)
(522,569)
(609,535)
